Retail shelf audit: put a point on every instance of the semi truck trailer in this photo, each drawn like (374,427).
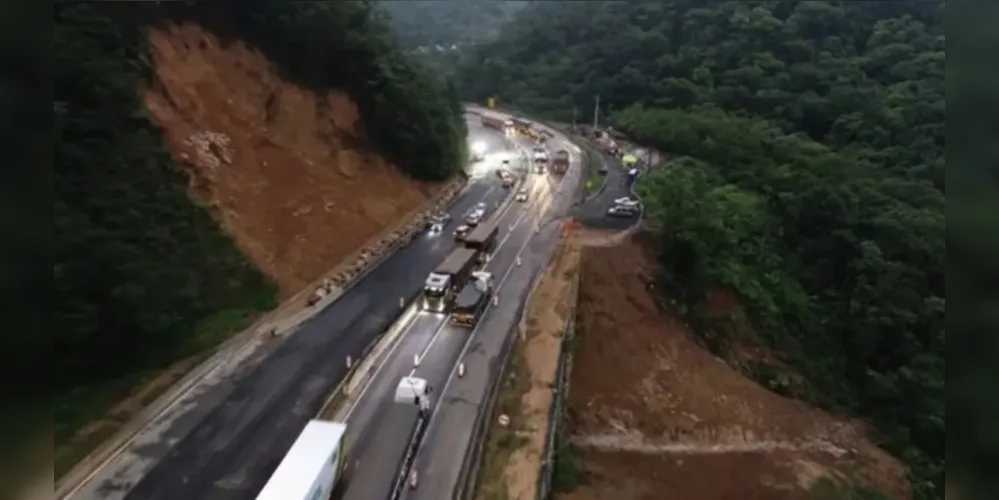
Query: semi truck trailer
(448,279)
(472,301)
(496,123)
(313,465)
(483,240)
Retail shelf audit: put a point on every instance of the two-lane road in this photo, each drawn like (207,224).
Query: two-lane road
(451,429)
(232,433)
(380,428)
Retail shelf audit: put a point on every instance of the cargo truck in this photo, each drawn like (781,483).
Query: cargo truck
(444,282)
(483,240)
(472,300)
(560,162)
(496,123)
(313,465)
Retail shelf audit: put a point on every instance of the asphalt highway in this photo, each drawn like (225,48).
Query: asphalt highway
(379,428)
(445,445)
(593,213)
(236,432)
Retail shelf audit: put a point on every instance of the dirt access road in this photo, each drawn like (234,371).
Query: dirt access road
(657,416)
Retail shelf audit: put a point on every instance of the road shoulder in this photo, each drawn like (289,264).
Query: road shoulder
(515,451)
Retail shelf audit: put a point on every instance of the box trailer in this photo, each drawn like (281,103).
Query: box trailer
(312,466)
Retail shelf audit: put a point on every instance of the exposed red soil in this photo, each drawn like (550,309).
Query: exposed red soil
(281,168)
(640,381)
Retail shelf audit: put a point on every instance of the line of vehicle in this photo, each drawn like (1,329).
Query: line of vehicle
(406,332)
(464,351)
(469,340)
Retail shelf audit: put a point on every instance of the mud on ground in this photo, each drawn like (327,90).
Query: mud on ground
(284,170)
(514,455)
(657,416)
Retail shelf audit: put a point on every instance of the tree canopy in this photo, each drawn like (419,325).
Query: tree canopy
(442,22)
(807,176)
(143,276)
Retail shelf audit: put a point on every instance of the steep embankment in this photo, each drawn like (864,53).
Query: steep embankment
(283,169)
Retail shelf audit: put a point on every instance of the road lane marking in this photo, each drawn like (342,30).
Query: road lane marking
(374,376)
(433,339)
(461,356)
(407,331)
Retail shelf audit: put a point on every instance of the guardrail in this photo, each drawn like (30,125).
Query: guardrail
(556,412)
(469,474)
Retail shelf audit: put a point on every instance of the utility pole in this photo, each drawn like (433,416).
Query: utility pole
(596,112)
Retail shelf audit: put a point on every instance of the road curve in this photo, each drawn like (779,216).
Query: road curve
(237,430)
(593,213)
(445,446)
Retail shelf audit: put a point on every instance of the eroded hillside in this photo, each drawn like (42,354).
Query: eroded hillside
(283,169)
(658,416)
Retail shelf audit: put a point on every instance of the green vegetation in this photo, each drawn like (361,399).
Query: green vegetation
(809,177)
(144,277)
(567,472)
(440,32)
(442,22)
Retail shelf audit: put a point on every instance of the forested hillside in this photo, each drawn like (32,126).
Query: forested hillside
(441,32)
(143,275)
(441,22)
(808,178)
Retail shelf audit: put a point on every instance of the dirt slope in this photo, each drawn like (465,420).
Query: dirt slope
(282,169)
(658,417)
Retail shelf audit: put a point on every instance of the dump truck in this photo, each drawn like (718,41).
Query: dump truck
(560,162)
(483,240)
(313,465)
(448,279)
(473,299)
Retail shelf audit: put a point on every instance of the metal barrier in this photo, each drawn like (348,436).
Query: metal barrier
(556,412)
(469,475)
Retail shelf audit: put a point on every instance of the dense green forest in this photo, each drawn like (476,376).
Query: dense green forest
(142,275)
(441,32)
(442,22)
(808,177)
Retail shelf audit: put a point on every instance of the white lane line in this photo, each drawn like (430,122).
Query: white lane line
(433,339)
(440,328)
(464,352)
(381,366)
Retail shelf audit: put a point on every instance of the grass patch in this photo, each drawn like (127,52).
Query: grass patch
(568,470)
(87,416)
(500,441)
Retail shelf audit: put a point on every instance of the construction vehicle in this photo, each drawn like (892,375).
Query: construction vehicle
(483,240)
(473,299)
(560,162)
(313,465)
(448,279)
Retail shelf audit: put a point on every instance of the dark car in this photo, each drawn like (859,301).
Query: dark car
(623,212)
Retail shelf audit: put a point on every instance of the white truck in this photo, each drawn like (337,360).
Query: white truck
(312,466)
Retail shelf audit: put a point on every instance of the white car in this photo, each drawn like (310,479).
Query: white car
(627,202)
(521,195)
